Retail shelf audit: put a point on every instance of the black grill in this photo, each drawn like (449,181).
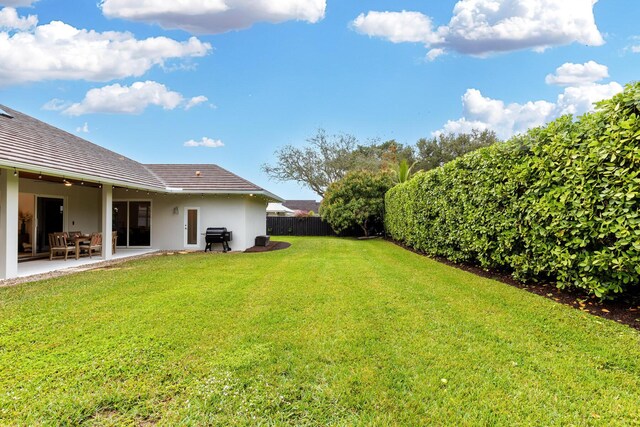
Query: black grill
(218,235)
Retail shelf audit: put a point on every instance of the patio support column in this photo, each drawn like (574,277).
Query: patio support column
(8,224)
(107,209)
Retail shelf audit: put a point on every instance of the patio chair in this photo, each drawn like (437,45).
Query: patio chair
(93,245)
(58,244)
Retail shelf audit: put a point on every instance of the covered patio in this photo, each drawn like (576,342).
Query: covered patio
(52,183)
(44,266)
(35,205)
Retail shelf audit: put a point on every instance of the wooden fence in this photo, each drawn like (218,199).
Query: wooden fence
(304,226)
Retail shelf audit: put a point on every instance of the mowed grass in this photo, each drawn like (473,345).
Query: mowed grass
(327,332)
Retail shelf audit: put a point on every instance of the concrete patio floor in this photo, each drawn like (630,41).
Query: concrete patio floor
(43,266)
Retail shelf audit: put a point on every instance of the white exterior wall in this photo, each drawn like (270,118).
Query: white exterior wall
(245,216)
(256,219)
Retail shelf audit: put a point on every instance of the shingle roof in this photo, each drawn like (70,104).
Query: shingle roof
(28,143)
(210,178)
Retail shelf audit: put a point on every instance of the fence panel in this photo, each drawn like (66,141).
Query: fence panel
(303,226)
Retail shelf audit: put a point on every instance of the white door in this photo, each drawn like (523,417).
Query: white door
(192,228)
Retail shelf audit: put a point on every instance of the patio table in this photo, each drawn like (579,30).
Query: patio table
(79,239)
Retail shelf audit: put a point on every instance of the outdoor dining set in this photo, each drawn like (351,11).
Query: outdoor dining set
(75,242)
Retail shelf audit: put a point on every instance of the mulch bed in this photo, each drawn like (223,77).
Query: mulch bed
(625,312)
(271,246)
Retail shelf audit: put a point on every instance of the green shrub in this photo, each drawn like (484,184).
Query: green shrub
(561,203)
(355,200)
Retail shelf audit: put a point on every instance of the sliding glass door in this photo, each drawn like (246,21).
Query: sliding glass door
(132,221)
(139,223)
(120,219)
(49,219)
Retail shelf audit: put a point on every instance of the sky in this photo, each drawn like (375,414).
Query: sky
(231,81)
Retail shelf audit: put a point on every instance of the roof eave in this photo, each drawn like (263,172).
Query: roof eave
(76,176)
(261,192)
(124,184)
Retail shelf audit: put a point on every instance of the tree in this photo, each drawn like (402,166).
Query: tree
(383,156)
(357,199)
(328,158)
(439,150)
(325,160)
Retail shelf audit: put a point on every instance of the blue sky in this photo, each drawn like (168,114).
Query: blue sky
(136,80)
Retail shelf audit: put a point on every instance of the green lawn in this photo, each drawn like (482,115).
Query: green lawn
(327,332)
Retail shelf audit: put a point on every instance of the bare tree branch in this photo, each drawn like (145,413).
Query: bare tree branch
(327,159)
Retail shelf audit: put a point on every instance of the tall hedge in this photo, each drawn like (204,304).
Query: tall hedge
(560,203)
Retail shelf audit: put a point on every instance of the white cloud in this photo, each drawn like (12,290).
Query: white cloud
(483,27)
(204,142)
(398,27)
(570,74)
(60,51)
(56,105)
(434,53)
(214,16)
(634,47)
(17,3)
(580,99)
(480,112)
(83,129)
(196,100)
(9,20)
(134,99)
